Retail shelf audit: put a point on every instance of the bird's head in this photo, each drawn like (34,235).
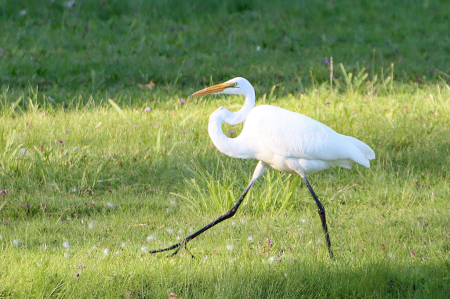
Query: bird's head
(237,85)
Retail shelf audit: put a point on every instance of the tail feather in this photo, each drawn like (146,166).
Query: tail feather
(364,148)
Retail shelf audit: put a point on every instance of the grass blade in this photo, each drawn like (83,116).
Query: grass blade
(118,109)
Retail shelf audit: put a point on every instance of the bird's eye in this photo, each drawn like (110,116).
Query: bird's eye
(235,84)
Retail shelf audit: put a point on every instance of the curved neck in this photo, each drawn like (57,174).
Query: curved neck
(239,116)
(233,147)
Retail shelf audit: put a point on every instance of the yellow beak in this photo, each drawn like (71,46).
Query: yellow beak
(213,89)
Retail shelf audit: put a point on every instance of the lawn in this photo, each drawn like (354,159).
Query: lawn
(103,156)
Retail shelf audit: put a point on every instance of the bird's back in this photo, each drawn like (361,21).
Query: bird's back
(273,130)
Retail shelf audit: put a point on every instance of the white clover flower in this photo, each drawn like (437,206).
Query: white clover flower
(70,4)
(24,152)
(66,244)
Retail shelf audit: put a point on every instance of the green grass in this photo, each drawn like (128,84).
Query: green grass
(377,216)
(94,184)
(114,45)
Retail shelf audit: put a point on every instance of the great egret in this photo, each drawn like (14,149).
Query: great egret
(278,138)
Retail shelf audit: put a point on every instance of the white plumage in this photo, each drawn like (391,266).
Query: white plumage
(281,139)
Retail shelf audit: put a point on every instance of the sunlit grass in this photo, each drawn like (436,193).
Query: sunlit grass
(98,165)
(91,189)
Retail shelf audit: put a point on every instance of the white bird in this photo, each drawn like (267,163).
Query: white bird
(281,139)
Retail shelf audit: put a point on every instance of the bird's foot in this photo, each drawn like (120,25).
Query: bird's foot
(177,246)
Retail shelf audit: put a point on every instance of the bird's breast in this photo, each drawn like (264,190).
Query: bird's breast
(276,161)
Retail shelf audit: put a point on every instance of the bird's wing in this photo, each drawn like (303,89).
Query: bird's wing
(295,135)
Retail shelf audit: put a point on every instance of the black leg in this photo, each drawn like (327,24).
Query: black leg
(321,211)
(227,215)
